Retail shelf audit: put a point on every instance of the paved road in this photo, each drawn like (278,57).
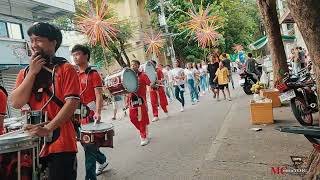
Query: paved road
(179,145)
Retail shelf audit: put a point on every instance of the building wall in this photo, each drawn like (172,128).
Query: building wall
(67,5)
(134,11)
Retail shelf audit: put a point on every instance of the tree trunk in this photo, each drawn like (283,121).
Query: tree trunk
(123,50)
(268,10)
(306,14)
(118,56)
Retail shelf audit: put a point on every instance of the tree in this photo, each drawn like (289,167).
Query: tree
(306,14)
(241,25)
(268,10)
(116,49)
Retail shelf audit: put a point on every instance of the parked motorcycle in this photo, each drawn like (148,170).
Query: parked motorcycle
(300,90)
(247,80)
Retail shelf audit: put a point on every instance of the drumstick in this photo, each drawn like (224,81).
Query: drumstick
(22,130)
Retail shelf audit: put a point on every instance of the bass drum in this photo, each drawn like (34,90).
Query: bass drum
(122,82)
(150,71)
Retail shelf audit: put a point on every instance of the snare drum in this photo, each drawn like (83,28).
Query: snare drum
(19,157)
(123,82)
(101,134)
(150,71)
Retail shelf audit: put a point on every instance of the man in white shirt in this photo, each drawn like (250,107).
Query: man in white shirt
(168,82)
(178,83)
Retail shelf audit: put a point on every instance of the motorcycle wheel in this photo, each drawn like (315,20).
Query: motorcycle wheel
(299,109)
(247,89)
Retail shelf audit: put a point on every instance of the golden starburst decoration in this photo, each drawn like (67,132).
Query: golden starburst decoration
(203,26)
(97,23)
(153,42)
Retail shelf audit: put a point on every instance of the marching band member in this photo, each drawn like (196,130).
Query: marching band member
(137,103)
(3,107)
(50,85)
(157,94)
(91,96)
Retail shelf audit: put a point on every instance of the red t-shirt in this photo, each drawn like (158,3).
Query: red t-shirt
(3,103)
(88,82)
(3,107)
(144,81)
(66,86)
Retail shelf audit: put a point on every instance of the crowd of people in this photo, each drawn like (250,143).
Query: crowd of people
(298,59)
(53,86)
(199,78)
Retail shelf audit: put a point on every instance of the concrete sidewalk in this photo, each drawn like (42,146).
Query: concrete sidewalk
(240,153)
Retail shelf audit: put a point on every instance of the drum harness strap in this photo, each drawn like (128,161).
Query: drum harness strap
(53,97)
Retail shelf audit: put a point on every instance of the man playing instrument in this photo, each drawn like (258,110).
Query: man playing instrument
(91,96)
(137,103)
(47,81)
(3,107)
(157,94)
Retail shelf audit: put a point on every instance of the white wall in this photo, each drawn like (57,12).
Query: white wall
(67,5)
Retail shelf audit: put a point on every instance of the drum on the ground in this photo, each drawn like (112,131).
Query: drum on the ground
(100,134)
(19,157)
(150,70)
(122,82)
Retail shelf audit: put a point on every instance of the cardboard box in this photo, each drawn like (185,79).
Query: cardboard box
(261,111)
(272,94)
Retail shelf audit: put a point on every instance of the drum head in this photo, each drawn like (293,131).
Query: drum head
(150,70)
(99,127)
(130,80)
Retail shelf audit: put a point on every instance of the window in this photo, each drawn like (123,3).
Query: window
(3,29)
(11,30)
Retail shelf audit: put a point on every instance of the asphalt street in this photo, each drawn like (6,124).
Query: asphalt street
(178,147)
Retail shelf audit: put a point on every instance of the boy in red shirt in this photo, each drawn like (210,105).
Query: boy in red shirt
(157,94)
(91,96)
(49,77)
(3,107)
(137,103)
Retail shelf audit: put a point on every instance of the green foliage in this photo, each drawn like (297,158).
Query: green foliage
(240,24)
(101,56)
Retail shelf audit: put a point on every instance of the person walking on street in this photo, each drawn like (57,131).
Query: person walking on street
(202,74)
(190,76)
(157,94)
(179,81)
(212,69)
(168,83)
(137,104)
(115,105)
(90,95)
(227,64)
(222,75)
(196,77)
(296,61)
(302,57)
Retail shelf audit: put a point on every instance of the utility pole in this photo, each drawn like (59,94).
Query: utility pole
(162,20)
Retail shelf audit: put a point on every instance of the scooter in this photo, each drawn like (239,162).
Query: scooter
(301,92)
(247,80)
